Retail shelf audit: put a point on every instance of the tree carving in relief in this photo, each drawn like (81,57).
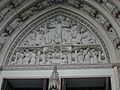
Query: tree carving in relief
(59,40)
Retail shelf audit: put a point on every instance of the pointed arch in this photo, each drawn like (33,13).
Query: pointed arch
(72,12)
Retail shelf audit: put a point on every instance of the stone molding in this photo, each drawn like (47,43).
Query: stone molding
(73,66)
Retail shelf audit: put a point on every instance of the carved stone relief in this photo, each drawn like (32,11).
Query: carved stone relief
(111,7)
(79,4)
(101,20)
(12,26)
(59,40)
(59,30)
(10,6)
(51,56)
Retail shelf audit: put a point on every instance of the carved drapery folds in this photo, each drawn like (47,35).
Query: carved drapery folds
(59,40)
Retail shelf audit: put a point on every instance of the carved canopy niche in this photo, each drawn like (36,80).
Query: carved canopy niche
(59,40)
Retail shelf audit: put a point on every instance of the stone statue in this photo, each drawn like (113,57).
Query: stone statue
(54,82)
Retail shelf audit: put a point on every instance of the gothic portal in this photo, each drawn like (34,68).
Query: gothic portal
(80,37)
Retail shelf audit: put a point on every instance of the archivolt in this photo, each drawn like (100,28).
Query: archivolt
(40,18)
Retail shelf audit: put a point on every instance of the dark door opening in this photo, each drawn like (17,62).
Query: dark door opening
(86,84)
(66,84)
(25,84)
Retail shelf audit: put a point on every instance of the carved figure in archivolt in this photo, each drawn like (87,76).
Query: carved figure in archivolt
(2,40)
(116,13)
(100,19)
